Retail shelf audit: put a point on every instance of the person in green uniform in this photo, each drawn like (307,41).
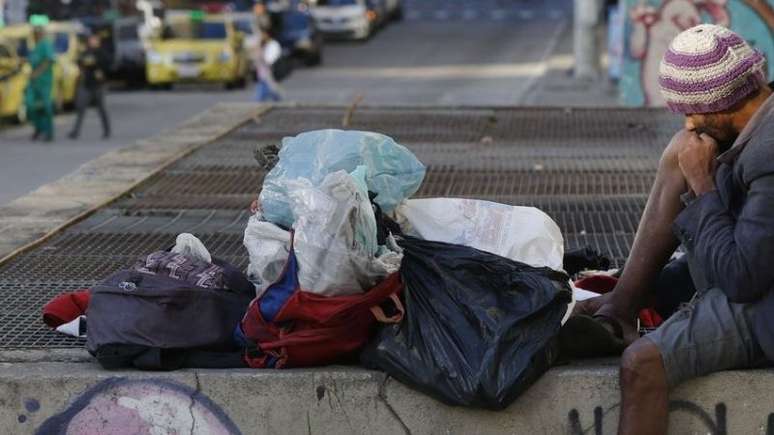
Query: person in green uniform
(37,97)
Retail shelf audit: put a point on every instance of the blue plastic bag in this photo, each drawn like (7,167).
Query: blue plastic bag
(393,172)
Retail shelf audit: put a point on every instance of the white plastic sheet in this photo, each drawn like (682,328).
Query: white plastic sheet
(393,172)
(523,234)
(268,247)
(189,245)
(335,236)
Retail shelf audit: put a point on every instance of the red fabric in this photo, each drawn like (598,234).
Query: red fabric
(312,330)
(66,307)
(602,284)
(649,318)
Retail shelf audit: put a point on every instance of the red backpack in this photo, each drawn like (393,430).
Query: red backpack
(289,327)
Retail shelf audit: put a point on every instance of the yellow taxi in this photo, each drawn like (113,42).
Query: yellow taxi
(200,48)
(64,36)
(66,72)
(14,74)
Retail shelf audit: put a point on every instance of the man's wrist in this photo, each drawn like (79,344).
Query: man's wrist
(707,185)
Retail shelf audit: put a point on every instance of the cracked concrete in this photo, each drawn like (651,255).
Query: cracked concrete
(382,396)
(567,400)
(194,395)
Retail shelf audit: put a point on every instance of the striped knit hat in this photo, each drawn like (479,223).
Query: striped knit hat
(708,69)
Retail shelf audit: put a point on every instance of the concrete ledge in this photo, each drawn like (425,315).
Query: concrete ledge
(54,206)
(578,399)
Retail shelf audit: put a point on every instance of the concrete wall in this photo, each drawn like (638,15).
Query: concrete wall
(79,398)
(652,24)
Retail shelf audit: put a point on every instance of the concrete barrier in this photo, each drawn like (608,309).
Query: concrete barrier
(80,398)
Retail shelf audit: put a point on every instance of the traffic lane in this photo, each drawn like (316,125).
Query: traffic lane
(420,43)
(412,62)
(25,165)
(457,63)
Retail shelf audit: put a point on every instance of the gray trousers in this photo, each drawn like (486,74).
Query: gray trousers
(707,335)
(91,97)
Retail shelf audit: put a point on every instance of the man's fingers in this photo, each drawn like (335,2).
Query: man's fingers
(707,138)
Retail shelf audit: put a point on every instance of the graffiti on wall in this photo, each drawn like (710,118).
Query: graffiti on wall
(652,24)
(120,406)
(712,422)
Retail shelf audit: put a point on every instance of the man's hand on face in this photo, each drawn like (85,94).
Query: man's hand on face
(697,161)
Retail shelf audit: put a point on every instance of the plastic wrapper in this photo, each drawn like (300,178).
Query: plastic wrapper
(523,234)
(335,236)
(393,172)
(268,247)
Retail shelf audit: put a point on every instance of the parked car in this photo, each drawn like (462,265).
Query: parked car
(14,75)
(293,26)
(123,45)
(195,47)
(65,35)
(66,46)
(348,19)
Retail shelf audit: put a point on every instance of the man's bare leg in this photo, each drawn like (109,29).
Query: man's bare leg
(654,243)
(644,391)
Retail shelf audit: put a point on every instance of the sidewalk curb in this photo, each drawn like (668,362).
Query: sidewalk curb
(32,219)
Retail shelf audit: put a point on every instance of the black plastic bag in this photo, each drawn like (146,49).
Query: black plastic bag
(582,259)
(479,328)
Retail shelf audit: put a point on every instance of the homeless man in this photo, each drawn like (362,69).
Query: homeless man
(714,193)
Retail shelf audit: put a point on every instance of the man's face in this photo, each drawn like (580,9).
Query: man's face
(94,41)
(38,34)
(719,126)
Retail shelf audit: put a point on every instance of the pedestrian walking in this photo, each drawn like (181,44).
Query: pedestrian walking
(91,86)
(38,94)
(267,54)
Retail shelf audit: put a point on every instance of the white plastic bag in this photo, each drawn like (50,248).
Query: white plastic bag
(189,245)
(523,234)
(268,247)
(393,172)
(335,236)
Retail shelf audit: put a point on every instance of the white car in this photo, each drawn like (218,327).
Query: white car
(352,19)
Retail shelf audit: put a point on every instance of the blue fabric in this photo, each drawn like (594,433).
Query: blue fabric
(393,172)
(239,337)
(277,295)
(264,92)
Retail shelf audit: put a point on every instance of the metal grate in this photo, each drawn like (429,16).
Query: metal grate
(129,244)
(503,185)
(588,169)
(21,319)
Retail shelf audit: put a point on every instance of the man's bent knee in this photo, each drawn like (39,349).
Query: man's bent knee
(642,366)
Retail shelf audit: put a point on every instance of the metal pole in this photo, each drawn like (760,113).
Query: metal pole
(585,41)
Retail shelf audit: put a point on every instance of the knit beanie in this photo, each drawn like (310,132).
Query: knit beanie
(708,69)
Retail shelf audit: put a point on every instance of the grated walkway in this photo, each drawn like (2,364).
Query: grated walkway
(590,169)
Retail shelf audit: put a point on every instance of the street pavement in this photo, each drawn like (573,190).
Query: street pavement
(447,52)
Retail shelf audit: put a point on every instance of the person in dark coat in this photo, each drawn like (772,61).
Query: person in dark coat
(91,86)
(714,195)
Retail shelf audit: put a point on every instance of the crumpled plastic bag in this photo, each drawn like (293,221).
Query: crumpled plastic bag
(523,234)
(190,245)
(268,247)
(335,236)
(393,172)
